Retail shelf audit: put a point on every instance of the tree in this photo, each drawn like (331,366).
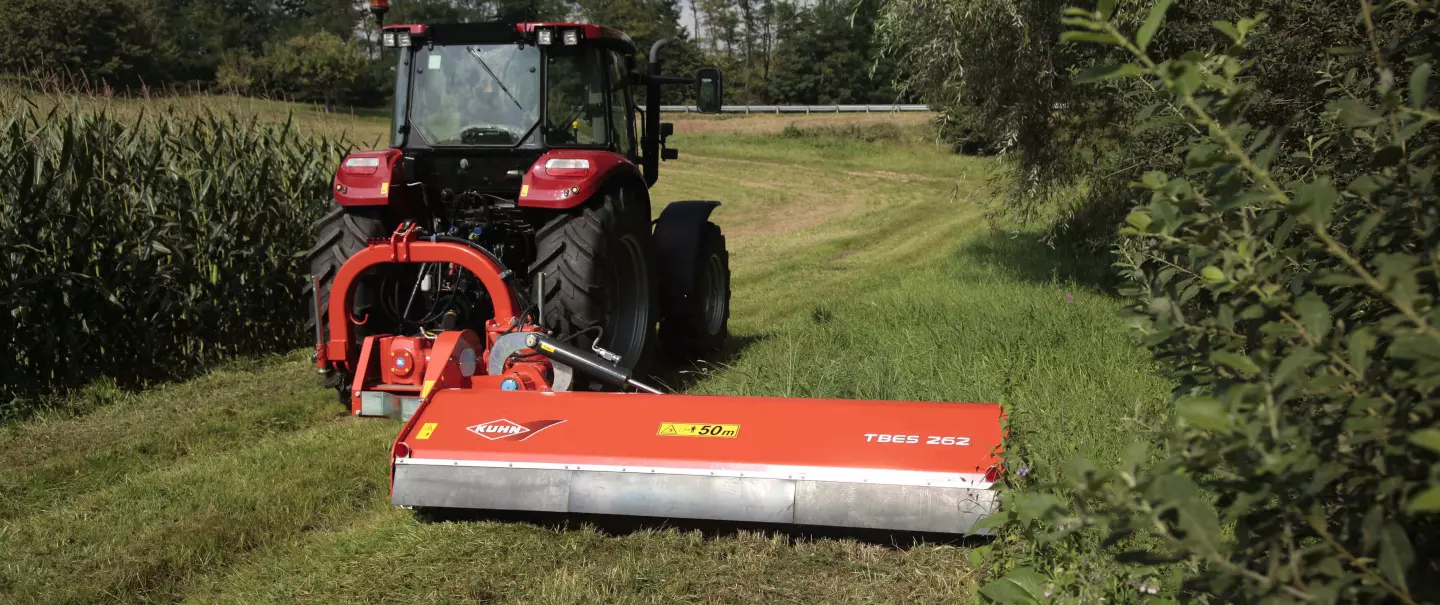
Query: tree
(826,56)
(317,67)
(116,42)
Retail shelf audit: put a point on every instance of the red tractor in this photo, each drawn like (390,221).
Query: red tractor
(502,252)
(525,142)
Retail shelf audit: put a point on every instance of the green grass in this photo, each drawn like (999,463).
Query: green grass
(860,270)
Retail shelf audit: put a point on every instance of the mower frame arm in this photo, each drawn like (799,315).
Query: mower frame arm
(406,247)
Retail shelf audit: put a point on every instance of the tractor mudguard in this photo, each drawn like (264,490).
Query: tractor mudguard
(565,178)
(365,177)
(676,242)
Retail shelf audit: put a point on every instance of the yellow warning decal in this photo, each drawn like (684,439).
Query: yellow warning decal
(425,430)
(545,346)
(385,188)
(692,429)
(524,190)
(426,388)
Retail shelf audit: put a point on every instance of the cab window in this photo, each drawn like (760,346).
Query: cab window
(575,97)
(621,128)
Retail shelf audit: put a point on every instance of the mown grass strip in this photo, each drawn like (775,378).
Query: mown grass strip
(395,559)
(56,458)
(146,537)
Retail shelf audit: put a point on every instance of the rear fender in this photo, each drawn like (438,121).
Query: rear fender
(677,241)
(365,178)
(562,189)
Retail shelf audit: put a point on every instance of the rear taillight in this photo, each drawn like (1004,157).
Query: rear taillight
(401,450)
(566,167)
(993,474)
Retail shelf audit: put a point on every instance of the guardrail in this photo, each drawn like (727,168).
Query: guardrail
(801,108)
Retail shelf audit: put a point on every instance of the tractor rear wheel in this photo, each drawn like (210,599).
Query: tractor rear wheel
(339,235)
(599,274)
(701,329)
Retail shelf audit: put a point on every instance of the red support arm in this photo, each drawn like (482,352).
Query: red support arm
(404,247)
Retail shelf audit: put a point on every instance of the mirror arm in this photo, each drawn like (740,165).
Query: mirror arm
(650,139)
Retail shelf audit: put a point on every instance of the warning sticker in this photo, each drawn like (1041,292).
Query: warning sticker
(691,429)
(425,430)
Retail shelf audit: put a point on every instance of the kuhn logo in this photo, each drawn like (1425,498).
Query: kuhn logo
(507,429)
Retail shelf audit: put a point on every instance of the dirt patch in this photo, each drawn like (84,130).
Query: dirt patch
(773,123)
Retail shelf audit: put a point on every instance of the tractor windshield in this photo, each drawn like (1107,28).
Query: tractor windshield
(475,95)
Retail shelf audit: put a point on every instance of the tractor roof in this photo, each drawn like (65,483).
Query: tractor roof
(500,33)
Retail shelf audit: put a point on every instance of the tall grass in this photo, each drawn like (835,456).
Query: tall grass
(143,248)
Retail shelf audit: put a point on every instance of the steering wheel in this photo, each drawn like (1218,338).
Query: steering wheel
(564,129)
(472,134)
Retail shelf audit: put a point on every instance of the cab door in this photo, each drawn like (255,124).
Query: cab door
(622,106)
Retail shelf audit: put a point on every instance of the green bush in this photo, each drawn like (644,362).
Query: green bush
(1290,287)
(146,250)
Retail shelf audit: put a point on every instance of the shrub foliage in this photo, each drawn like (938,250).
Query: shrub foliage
(1290,287)
(144,250)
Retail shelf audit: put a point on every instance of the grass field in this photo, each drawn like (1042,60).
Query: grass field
(860,270)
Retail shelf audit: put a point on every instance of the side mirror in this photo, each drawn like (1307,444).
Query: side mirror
(709,90)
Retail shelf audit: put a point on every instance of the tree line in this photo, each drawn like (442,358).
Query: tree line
(325,51)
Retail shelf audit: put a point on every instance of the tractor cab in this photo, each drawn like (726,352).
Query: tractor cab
(477,104)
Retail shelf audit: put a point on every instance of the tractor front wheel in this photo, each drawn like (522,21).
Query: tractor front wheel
(599,279)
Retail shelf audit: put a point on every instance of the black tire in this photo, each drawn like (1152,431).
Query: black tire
(702,328)
(599,273)
(339,235)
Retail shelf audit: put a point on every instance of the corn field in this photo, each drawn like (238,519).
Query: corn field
(143,249)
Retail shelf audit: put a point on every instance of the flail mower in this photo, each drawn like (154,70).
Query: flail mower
(494,280)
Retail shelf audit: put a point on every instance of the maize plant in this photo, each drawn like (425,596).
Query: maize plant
(144,249)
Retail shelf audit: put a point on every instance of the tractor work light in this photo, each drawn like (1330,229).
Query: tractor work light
(388,40)
(544,37)
(571,36)
(567,167)
(402,39)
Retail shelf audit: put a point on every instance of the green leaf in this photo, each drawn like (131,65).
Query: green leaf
(1138,219)
(1362,340)
(1213,274)
(1236,362)
(1356,114)
(1152,23)
(977,555)
(1314,314)
(1187,79)
(1023,586)
(1247,24)
(1196,517)
(1415,346)
(1228,29)
(1095,37)
(1396,554)
(1316,199)
(1427,501)
(1420,85)
(1204,412)
(1105,8)
(1109,72)
(1427,438)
